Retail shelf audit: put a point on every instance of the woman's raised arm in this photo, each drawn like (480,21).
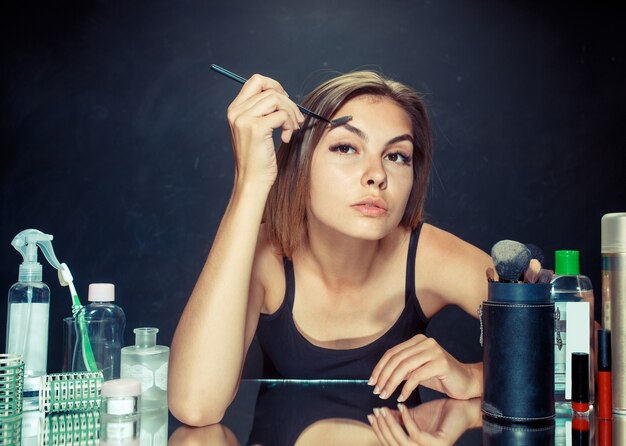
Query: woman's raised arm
(220,318)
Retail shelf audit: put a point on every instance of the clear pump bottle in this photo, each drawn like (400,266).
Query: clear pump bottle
(147,362)
(105,325)
(572,294)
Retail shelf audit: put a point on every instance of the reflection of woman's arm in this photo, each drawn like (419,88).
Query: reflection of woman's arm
(215,434)
(439,422)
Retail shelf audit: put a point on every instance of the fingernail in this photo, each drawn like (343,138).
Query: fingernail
(384,411)
(370,418)
(376,390)
(371,381)
(401,407)
(383,395)
(376,411)
(401,398)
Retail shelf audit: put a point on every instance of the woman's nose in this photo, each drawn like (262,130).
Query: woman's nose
(375,174)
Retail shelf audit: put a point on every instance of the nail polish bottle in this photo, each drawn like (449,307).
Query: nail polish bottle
(580,383)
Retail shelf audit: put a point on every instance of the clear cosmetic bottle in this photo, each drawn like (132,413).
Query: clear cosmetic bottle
(147,362)
(572,295)
(105,324)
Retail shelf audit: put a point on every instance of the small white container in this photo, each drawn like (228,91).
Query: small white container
(121,397)
(120,419)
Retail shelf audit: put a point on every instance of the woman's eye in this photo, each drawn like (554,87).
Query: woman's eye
(343,148)
(399,158)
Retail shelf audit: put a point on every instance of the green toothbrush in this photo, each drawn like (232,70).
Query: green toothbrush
(66,279)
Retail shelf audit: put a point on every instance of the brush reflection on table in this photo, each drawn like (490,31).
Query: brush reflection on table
(314,413)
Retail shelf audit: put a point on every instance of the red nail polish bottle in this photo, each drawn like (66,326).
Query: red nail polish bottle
(580,382)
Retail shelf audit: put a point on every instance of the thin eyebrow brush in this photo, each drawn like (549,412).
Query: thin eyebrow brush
(306,111)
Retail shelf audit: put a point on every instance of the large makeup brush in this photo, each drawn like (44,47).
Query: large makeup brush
(306,111)
(511,259)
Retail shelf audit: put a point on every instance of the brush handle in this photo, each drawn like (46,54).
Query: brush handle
(228,74)
(243,80)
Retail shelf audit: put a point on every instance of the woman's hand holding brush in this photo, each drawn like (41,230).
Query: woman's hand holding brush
(261,106)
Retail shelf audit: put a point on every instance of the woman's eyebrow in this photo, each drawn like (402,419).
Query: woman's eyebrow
(405,137)
(358,132)
(361,134)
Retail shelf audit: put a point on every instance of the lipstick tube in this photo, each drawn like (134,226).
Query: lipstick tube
(605,404)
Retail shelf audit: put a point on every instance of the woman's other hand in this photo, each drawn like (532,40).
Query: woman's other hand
(435,423)
(421,360)
(261,106)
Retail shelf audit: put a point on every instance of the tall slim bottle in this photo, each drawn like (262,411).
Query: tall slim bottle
(614,301)
(572,295)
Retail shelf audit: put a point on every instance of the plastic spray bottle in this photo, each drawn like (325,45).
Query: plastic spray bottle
(28,312)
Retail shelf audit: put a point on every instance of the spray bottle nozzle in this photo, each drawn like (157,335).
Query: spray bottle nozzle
(26,243)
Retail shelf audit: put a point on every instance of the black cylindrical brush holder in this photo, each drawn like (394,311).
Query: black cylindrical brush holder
(518,353)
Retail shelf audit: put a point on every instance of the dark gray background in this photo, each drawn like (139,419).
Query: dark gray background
(114,137)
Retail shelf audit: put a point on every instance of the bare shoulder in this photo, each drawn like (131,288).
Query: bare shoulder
(268,274)
(443,244)
(449,270)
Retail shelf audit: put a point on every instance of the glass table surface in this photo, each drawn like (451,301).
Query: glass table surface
(305,412)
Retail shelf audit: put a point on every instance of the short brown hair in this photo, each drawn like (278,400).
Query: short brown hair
(286,207)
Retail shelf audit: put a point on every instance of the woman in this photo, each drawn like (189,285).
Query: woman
(322,247)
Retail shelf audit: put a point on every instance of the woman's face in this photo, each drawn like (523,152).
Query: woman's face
(361,172)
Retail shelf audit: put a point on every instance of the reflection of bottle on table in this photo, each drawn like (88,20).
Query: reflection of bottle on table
(147,362)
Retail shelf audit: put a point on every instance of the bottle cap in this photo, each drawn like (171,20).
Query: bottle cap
(101,292)
(145,336)
(566,262)
(604,350)
(580,377)
(614,233)
(121,387)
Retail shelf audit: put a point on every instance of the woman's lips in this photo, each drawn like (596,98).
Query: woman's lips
(371,208)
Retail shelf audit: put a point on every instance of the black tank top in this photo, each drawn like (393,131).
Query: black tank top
(288,354)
